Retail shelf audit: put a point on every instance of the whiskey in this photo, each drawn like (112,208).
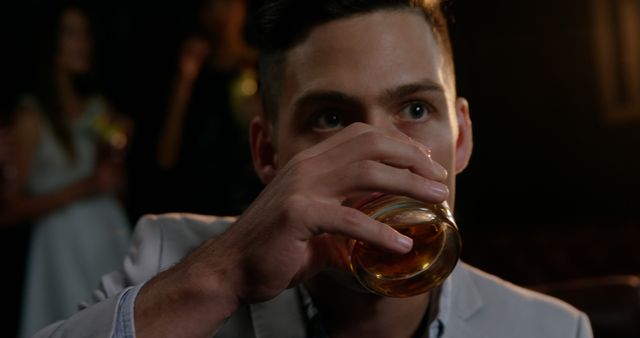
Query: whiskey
(435,252)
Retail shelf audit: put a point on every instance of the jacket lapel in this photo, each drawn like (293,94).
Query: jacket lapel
(465,302)
(280,317)
(284,317)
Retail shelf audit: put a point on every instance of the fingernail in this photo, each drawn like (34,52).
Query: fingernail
(440,189)
(406,243)
(441,172)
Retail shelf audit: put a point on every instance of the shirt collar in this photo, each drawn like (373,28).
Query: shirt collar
(315,328)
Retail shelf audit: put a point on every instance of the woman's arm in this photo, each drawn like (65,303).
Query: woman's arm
(22,206)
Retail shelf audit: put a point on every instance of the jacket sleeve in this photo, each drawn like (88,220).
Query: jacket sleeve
(584,327)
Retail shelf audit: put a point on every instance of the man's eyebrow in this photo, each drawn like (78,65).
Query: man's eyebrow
(327,96)
(390,95)
(394,94)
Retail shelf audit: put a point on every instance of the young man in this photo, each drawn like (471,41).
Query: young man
(359,97)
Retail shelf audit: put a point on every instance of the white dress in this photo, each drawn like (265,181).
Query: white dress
(72,247)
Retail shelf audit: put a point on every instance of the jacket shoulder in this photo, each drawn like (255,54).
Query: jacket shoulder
(159,241)
(507,310)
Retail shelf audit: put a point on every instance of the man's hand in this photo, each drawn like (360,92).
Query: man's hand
(285,235)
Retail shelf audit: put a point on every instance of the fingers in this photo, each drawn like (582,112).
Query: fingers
(362,159)
(360,141)
(372,176)
(344,135)
(371,145)
(353,130)
(335,219)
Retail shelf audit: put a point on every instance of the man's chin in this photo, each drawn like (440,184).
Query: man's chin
(338,281)
(337,276)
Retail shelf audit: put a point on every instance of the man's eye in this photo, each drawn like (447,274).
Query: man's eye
(415,111)
(328,122)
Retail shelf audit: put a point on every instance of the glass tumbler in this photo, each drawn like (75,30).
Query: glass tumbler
(435,252)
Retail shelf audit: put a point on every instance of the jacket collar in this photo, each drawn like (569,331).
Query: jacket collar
(284,316)
(466,301)
(280,317)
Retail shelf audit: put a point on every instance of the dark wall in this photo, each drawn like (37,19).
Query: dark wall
(545,155)
(551,191)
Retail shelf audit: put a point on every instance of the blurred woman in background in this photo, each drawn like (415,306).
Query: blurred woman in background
(69,168)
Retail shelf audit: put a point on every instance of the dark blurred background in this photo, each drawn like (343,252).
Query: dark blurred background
(550,196)
(555,100)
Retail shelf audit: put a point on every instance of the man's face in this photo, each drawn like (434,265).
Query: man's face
(384,69)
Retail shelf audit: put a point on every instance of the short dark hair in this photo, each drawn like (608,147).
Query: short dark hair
(279,25)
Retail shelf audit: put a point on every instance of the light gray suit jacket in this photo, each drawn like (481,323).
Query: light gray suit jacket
(481,305)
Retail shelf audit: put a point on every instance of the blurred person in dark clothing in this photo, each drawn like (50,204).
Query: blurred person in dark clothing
(203,148)
(69,167)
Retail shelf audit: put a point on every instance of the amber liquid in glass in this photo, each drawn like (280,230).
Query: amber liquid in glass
(435,252)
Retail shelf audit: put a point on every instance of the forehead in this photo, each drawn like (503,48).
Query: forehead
(364,55)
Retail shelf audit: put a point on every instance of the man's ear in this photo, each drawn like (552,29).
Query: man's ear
(263,151)
(464,142)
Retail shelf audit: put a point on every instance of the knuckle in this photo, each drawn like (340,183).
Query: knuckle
(357,127)
(372,140)
(352,217)
(367,170)
(419,152)
(294,207)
